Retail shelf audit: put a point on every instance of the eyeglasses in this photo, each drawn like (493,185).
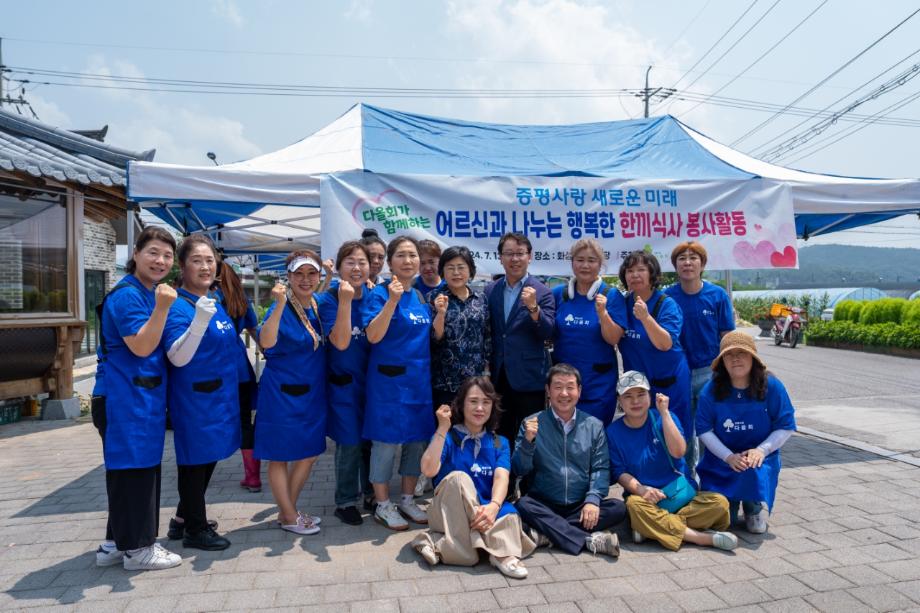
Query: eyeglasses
(515,255)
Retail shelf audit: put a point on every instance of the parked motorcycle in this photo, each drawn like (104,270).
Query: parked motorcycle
(787,324)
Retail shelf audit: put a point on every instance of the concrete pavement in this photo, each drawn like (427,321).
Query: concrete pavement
(844,535)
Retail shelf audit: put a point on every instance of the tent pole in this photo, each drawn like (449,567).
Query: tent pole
(728,283)
(255,300)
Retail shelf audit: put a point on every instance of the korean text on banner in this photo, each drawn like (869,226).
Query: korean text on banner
(744,224)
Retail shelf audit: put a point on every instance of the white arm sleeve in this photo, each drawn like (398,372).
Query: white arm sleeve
(773,442)
(715,446)
(183,350)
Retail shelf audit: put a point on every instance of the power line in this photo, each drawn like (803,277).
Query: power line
(686,28)
(763,146)
(770,119)
(735,44)
(762,55)
(715,44)
(783,148)
(820,145)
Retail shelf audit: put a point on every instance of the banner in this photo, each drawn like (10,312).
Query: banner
(743,224)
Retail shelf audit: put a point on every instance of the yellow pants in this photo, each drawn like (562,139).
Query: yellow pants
(707,510)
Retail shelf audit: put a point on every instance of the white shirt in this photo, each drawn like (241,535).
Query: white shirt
(567,426)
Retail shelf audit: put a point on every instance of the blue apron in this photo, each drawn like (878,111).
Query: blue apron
(347,380)
(204,404)
(398,408)
(667,371)
(742,424)
(577,341)
(291,415)
(135,387)
(248,320)
(481,468)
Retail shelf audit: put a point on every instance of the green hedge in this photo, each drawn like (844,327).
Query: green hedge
(754,309)
(888,334)
(893,310)
(911,313)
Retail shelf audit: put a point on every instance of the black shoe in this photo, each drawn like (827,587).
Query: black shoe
(349,515)
(370,504)
(177,530)
(207,540)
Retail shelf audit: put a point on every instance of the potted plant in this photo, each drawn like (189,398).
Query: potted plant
(764,322)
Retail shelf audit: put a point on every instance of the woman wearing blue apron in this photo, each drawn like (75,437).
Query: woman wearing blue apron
(744,417)
(651,342)
(398,410)
(590,317)
(291,416)
(129,404)
(347,378)
(232,297)
(471,467)
(203,390)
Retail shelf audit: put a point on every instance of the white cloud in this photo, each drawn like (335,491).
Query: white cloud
(555,44)
(181,134)
(50,113)
(359,10)
(227,10)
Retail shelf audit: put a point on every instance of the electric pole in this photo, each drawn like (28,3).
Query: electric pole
(647,93)
(1,71)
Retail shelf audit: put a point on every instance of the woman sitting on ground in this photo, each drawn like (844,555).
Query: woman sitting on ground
(646,455)
(470,465)
(743,418)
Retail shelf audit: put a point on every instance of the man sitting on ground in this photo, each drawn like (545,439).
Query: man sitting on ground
(563,453)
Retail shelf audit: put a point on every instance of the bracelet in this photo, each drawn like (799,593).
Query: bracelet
(436,433)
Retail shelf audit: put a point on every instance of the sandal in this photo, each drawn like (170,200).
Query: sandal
(512,568)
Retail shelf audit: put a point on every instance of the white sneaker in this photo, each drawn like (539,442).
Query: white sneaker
(723,540)
(310,519)
(108,555)
(428,553)
(603,542)
(304,525)
(412,512)
(757,523)
(151,558)
(539,539)
(389,516)
(637,537)
(423,485)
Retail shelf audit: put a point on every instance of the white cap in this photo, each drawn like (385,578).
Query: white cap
(300,261)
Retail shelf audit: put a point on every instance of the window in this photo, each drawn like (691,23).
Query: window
(33,253)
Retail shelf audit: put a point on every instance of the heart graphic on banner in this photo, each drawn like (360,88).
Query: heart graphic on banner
(786,259)
(758,227)
(376,200)
(749,256)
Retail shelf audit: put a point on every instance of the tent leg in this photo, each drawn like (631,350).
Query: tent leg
(728,283)
(255,300)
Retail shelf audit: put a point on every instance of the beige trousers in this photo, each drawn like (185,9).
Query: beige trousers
(449,533)
(707,510)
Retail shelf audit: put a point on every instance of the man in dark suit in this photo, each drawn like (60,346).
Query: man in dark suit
(522,313)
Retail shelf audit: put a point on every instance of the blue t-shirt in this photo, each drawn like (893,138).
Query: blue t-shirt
(636,347)
(707,314)
(480,468)
(426,289)
(638,451)
(742,422)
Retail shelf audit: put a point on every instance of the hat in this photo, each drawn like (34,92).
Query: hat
(300,261)
(736,339)
(631,379)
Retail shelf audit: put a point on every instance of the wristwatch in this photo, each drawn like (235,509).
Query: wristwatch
(533,310)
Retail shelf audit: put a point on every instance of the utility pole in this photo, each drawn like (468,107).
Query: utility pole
(1,71)
(646,93)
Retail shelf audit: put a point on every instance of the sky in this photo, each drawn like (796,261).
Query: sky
(762,53)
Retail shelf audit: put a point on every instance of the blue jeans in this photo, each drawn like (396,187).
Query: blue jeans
(699,377)
(750,507)
(383,455)
(349,474)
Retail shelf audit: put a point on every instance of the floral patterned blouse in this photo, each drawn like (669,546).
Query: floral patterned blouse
(464,349)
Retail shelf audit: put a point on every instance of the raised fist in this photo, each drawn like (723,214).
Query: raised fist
(346,291)
(165,295)
(529,297)
(279,294)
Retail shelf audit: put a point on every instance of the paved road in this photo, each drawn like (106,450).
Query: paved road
(863,396)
